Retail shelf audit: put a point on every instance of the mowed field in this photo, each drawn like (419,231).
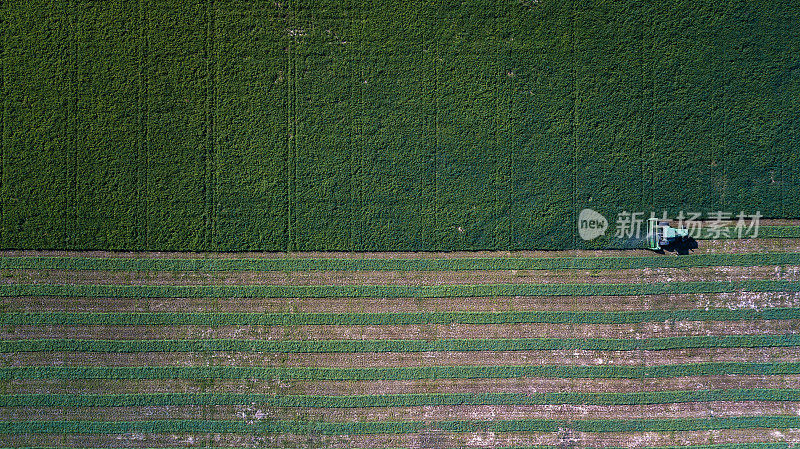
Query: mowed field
(403,350)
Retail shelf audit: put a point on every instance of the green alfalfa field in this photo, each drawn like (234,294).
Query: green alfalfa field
(385,126)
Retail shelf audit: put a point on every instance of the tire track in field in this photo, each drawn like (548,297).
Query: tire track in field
(143,160)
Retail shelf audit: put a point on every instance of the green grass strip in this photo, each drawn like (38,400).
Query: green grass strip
(377,319)
(358,346)
(454,264)
(401,373)
(392,291)
(396,400)
(395,427)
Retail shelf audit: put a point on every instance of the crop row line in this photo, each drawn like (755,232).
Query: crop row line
(401,373)
(393,291)
(396,400)
(456,264)
(396,427)
(400,318)
(358,346)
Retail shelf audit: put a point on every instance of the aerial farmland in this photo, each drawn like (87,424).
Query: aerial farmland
(512,224)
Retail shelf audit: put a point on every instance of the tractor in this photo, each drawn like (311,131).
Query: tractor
(660,234)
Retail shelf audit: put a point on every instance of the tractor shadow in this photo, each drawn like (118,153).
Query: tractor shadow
(681,247)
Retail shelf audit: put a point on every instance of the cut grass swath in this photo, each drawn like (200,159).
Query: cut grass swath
(454,264)
(393,291)
(401,373)
(396,400)
(377,319)
(394,427)
(357,346)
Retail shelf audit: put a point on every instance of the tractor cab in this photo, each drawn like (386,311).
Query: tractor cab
(661,234)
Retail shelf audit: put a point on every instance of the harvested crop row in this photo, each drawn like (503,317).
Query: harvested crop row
(379,360)
(726,439)
(352,346)
(715,439)
(523,385)
(313,278)
(394,319)
(731,300)
(394,291)
(747,246)
(401,373)
(666,328)
(398,400)
(356,428)
(256,411)
(398,264)
(753,438)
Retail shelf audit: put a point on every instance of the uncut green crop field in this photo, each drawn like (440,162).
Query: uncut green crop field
(182,350)
(388,125)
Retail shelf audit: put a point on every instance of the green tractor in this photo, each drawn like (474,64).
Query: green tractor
(660,234)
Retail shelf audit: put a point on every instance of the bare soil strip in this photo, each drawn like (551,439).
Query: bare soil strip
(428,438)
(404,359)
(644,275)
(256,440)
(489,358)
(737,300)
(257,412)
(526,385)
(400,332)
(654,439)
(746,246)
